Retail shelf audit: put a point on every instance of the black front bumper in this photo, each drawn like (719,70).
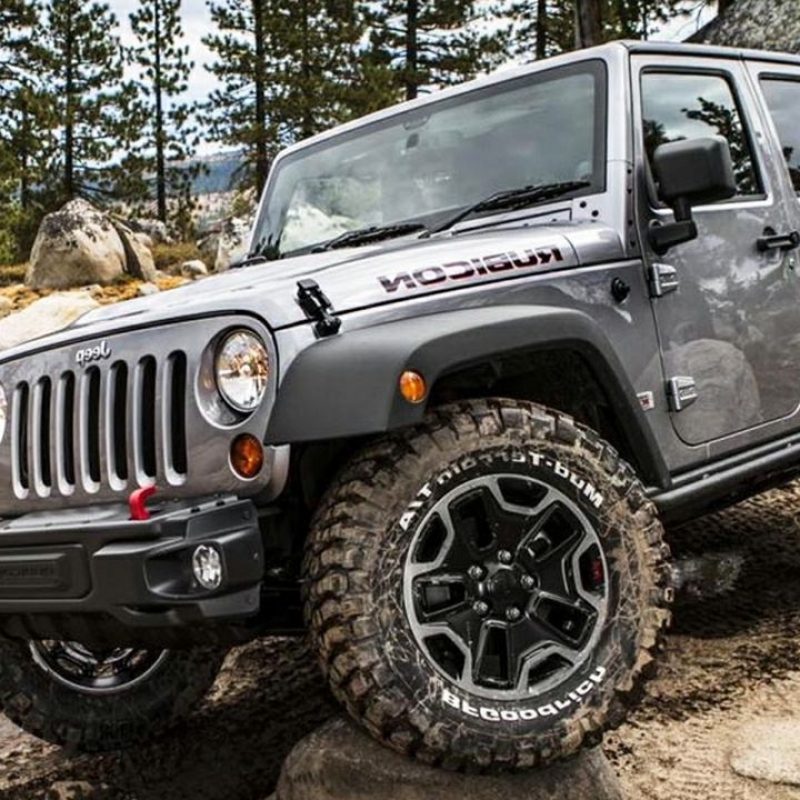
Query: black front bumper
(96,577)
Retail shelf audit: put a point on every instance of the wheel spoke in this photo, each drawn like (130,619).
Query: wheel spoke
(439,594)
(477,520)
(562,621)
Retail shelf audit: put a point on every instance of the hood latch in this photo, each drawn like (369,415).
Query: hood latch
(317,307)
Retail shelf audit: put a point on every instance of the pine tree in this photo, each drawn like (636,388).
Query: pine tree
(25,137)
(541,28)
(434,42)
(238,111)
(83,77)
(162,120)
(287,71)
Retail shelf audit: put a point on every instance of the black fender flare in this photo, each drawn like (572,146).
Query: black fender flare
(347,385)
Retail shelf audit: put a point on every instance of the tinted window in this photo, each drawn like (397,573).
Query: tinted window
(679,106)
(783,100)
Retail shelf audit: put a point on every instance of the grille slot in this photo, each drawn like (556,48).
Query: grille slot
(89,426)
(65,433)
(146,420)
(175,416)
(40,427)
(116,416)
(19,440)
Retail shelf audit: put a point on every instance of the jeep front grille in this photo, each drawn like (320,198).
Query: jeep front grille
(108,426)
(83,434)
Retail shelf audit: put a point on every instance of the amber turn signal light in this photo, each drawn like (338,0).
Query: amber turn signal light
(247,456)
(413,387)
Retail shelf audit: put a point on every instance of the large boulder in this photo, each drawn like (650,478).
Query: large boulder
(76,246)
(339,762)
(48,315)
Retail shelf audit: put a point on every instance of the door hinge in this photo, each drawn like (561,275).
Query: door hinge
(317,307)
(681,392)
(663,279)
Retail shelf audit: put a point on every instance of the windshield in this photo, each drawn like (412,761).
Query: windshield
(424,164)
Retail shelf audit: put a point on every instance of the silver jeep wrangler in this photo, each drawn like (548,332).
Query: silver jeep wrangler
(484,345)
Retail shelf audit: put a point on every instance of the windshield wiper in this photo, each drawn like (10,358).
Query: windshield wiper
(512,199)
(369,235)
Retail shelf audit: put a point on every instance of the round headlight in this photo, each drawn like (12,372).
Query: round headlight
(242,370)
(3,412)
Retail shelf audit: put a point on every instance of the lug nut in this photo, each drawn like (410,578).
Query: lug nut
(513,614)
(481,608)
(527,582)
(476,573)
(504,557)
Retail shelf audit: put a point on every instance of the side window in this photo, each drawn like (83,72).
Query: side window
(783,101)
(679,106)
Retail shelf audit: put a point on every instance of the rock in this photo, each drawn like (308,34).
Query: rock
(75,246)
(193,269)
(139,259)
(768,751)
(71,790)
(148,289)
(144,240)
(233,242)
(339,762)
(6,306)
(154,229)
(45,316)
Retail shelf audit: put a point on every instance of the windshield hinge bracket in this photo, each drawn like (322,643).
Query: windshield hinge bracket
(681,392)
(663,279)
(317,307)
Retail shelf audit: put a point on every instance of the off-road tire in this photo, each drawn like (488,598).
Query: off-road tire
(86,723)
(358,615)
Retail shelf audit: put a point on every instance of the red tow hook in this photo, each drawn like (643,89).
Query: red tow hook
(138,503)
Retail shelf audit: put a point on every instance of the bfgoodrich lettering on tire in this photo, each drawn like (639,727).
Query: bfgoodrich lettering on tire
(488,589)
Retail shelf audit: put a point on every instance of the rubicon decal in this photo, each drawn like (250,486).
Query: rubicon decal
(471,269)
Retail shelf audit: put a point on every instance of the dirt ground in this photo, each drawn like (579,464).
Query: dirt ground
(732,660)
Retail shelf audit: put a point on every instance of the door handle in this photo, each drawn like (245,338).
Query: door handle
(778,241)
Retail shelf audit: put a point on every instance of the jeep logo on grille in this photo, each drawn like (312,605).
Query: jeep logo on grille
(89,354)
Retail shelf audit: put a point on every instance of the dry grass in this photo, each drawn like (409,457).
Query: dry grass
(13,273)
(170,255)
(124,289)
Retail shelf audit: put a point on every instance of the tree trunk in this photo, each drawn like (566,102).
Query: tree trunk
(69,112)
(161,168)
(307,125)
(589,21)
(541,29)
(412,49)
(262,153)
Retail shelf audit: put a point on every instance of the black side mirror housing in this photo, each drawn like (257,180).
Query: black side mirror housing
(689,173)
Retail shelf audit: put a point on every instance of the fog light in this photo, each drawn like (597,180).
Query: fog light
(207,567)
(247,456)
(413,387)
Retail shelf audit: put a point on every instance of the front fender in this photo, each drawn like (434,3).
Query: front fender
(347,385)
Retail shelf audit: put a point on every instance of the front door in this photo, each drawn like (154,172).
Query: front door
(730,333)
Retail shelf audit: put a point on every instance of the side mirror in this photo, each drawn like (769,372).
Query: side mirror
(689,173)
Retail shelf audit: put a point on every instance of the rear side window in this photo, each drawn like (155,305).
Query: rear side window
(678,106)
(783,101)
